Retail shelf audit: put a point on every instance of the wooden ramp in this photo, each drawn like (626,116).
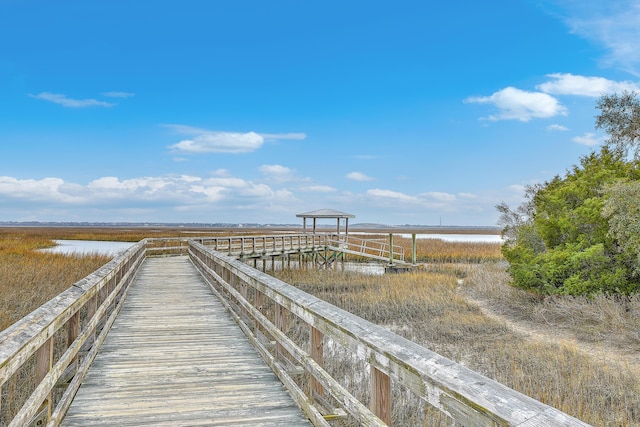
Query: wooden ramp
(175,357)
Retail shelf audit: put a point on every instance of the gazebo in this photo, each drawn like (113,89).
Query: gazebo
(326,213)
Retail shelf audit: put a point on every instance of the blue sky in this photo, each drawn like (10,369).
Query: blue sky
(406,112)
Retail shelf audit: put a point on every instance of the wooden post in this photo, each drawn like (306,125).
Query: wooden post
(259,300)
(413,248)
(92,307)
(381,395)
(317,354)
(390,248)
(244,291)
(73,329)
(281,323)
(44,362)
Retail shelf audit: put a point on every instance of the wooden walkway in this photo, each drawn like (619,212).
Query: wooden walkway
(175,357)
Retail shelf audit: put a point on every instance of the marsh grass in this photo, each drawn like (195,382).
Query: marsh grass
(431,309)
(29,278)
(607,320)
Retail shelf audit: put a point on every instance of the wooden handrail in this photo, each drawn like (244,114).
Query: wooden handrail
(376,248)
(268,244)
(464,395)
(97,298)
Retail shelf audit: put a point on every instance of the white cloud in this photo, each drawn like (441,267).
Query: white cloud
(46,189)
(118,94)
(320,189)
(63,100)
(111,186)
(221,172)
(516,104)
(278,170)
(614,25)
(221,142)
(589,139)
(140,192)
(277,173)
(390,194)
(557,128)
(209,141)
(569,84)
(358,176)
(221,197)
(439,196)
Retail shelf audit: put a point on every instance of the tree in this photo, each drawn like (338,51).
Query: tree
(620,118)
(622,210)
(580,234)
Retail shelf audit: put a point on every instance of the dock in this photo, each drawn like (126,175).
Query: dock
(174,356)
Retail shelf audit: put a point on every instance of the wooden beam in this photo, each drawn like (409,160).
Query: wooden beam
(381,395)
(317,354)
(44,362)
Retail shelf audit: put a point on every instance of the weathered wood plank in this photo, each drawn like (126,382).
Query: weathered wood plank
(174,357)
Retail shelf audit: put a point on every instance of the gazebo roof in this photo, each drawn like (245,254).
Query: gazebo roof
(325,213)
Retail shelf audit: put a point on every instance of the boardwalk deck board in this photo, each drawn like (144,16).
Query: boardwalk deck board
(175,357)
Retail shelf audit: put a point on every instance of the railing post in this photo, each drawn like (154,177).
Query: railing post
(281,323)
(92,306)
(391,248)
(73,329)
(413,248)
(381,395)
(259,300)
(44,362)
(317,354)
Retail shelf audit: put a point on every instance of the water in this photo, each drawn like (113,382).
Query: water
(88,247)
(475,238)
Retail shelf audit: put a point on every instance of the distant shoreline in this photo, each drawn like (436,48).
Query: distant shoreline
(249,228)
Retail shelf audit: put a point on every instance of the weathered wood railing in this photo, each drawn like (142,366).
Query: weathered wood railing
(256,246)
(381,249)
(272,245)
(44,356)
(266,307)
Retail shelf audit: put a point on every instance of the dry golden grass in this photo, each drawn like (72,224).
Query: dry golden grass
(29,278)
(612,322)
(432,309)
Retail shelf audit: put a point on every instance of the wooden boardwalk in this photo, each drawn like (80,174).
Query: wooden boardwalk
(175,357)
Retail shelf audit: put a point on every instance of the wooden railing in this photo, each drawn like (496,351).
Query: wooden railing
(255,246)
(381,249)
(44,356)
(271,245)
(266,307)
